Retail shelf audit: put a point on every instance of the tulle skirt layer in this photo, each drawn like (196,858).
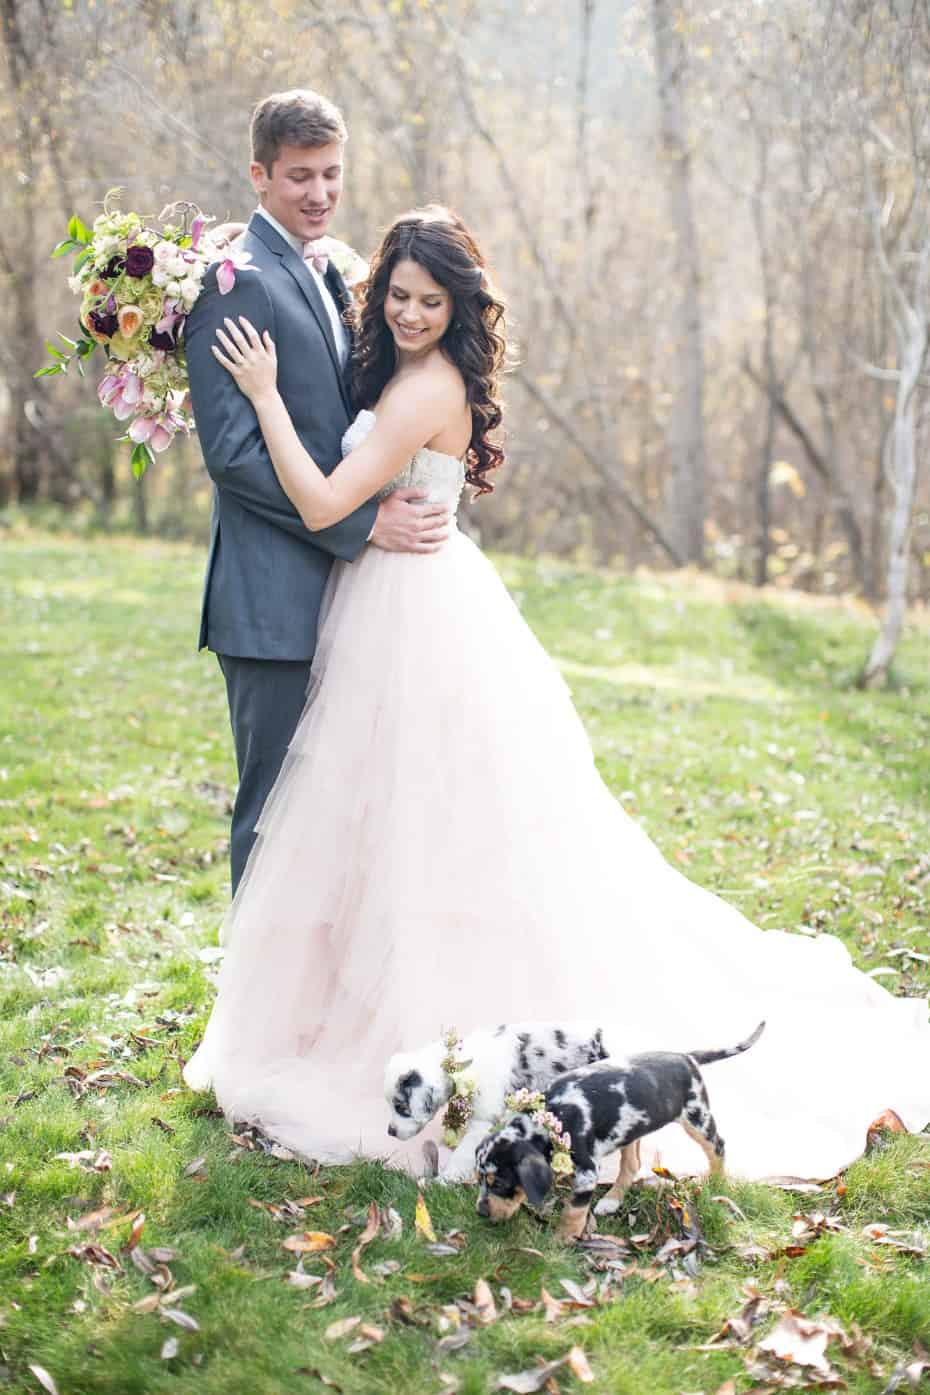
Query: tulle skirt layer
(439,850)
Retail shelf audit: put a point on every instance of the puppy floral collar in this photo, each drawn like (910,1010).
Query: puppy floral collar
(464,1086)
(533,1103)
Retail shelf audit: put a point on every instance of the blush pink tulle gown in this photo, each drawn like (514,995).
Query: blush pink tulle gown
(440,850)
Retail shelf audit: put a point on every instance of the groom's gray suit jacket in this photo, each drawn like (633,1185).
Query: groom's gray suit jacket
(266,572)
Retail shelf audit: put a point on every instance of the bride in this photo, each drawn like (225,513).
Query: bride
(439,849)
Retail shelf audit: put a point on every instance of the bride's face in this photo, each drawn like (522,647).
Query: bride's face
(417,310)
(303,188)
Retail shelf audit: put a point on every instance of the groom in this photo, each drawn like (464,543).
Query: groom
(265,572)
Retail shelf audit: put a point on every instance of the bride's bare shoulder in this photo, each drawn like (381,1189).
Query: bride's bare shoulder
(435,380)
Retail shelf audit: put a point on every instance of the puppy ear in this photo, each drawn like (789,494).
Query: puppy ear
(535,1176)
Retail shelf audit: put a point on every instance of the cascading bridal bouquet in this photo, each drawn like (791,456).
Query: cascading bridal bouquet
(138,283)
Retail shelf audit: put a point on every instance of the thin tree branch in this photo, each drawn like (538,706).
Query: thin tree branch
(569,430)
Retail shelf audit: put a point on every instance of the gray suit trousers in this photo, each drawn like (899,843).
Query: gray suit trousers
(266,699)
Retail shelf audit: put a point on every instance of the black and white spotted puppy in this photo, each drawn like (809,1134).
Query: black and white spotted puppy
(606,1109)
(511,1057)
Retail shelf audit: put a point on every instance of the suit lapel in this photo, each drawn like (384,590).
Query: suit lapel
(307,286)
(343,298)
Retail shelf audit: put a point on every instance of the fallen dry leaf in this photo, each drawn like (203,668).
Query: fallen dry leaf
(392,1224)
(182,1319)
(368,1336)
(372,1227)
(91,1220)
(528,1382)
(95,1254)
(578,1365)
(484,1302)
(44,1379)
(911,1371)
(135,1234)
(807,1226)
(907,1243)
(580,1297)
(148,1304)
(327,1293)
(802,1342)
(423,1221)
(342,1328)
(311,1242)
(554,1308)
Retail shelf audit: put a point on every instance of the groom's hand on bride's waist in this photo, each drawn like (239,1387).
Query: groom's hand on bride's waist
(408,522)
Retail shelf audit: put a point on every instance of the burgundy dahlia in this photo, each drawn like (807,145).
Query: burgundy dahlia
(161,339)
(103,323)
(139,260)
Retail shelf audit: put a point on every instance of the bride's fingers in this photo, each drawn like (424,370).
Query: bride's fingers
(235,333)
(251,333)
(226,362)
(231,348)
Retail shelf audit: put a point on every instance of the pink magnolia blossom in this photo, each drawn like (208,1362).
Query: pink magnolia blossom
(233,261)
(121,392)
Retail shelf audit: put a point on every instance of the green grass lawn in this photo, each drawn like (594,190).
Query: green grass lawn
(142,1246)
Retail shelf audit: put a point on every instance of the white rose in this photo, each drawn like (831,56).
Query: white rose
(190,290)
(173,289)
(164,253)
(159,276)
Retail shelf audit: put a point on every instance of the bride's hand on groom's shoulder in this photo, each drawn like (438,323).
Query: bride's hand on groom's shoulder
(407,522)
(249,357)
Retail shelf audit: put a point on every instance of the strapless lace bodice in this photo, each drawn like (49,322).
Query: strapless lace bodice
(441,475)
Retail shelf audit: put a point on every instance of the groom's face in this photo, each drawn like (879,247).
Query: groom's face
(302,188)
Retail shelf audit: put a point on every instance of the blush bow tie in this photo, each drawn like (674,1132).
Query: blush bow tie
(316,254)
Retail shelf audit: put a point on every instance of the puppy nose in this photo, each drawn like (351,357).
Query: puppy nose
(483,1207)
(392,1130)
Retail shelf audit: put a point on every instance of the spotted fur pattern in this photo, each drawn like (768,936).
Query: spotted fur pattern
(606,1108)
(522,1055)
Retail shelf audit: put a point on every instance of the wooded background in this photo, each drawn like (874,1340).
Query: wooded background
(710,220)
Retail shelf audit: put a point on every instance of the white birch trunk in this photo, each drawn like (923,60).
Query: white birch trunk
(903,487)
(686,428)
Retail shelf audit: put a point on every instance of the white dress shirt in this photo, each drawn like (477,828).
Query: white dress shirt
(340,332)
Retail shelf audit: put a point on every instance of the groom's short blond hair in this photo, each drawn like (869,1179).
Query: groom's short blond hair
(298,117)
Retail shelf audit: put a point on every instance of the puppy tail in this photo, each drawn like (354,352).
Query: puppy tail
(704,1058)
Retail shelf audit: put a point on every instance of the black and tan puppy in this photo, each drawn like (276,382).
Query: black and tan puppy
(605,1108)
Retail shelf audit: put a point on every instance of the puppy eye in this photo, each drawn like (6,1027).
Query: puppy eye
(490,1178)
(402,1109)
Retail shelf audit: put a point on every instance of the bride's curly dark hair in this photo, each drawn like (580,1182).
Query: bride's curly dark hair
(439,241)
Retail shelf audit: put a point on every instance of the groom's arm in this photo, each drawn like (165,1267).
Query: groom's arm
(234,449)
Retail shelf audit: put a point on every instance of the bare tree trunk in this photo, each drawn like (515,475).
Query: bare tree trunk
(910,321)
(686,427)
(18,259)
(903,485)
(760,223)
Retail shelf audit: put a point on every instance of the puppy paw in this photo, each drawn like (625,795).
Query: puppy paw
(608,1206)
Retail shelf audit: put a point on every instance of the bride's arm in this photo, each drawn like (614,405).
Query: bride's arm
(413,415)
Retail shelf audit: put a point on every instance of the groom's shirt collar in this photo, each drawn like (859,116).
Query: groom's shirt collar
(289,237)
